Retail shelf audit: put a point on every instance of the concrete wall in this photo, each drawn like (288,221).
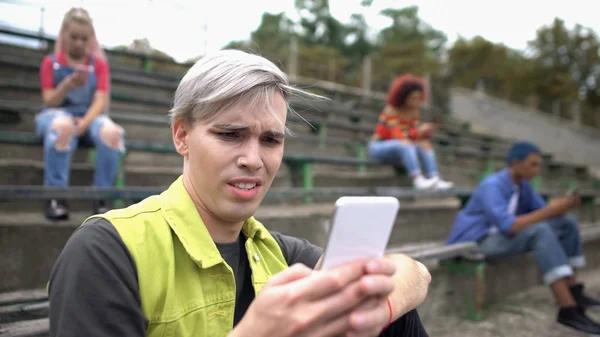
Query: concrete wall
(569,143)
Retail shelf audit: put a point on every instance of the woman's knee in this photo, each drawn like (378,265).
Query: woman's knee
(425,144)
(111,135)
(64,128)
(402,144)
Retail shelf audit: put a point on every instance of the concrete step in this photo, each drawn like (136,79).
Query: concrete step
(23,68)
(19,231)
(33,328)
(30,172)
(464,171)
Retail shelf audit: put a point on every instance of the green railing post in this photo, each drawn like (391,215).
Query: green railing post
(91,157)
(475,308)
(489,169)
(147,62)
(323,136)
(360,153)
(537,183)
(120,181)
(475,301)
(307,181)
(302,169)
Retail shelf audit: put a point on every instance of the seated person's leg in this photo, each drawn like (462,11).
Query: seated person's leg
(552,262)
(427,154)
(402,152)
(57,128)
(539,238)
(567,231)
(107,136)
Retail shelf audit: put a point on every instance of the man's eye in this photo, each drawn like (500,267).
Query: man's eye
(229,135)
(271,140)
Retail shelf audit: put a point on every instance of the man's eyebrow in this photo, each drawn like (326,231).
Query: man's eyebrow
(231,126)
(243,127)
(274,134)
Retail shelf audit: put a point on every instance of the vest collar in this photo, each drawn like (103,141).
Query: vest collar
(183,218)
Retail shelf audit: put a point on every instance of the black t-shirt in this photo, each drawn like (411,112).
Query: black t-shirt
(93,286)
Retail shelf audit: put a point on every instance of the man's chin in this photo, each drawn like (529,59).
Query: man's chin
(244,210)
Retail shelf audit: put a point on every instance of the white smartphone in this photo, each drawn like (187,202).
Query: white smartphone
(361,229)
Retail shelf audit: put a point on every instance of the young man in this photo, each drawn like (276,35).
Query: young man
(193,261)
(506,216)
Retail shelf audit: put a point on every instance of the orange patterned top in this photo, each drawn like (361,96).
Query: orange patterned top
(392,126)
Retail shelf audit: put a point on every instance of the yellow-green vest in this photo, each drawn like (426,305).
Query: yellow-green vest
(186,287)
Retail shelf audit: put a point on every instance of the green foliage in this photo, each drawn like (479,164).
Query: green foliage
(560,64)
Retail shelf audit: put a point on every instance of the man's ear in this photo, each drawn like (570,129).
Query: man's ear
(180,139)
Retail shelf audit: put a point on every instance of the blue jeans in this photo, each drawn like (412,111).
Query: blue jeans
(554,242)
(398,153)
(57,163)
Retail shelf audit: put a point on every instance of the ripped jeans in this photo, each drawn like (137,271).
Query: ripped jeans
(57,163)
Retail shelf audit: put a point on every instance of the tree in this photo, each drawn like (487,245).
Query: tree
(567,68)
(566,62)
(407,45)
(407,27)
(502,71)
(319,26)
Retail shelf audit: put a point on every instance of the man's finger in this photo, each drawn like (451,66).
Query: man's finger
(328,282)
(294,273)
(376,285)
(381,266)
(374,315)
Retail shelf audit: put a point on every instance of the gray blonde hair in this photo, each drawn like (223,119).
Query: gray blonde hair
(226,78)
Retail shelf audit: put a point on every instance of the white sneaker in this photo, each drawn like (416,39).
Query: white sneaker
(422,183)
(441,184)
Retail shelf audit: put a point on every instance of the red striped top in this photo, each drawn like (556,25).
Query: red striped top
(392,126)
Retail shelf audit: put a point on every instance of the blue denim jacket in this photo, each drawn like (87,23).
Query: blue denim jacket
(488,208)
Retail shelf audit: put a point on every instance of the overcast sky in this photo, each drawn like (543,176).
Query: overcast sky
(176,26)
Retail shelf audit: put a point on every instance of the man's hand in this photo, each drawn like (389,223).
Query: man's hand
(561,205)
(302,302)
(369,319)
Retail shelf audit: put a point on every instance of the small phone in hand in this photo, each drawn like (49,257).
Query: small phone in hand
(361,229)
(84,68)
(572,191)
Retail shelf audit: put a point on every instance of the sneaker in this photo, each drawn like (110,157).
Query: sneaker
(575,318)
(441,184)
(583,300)
(100,206)
(56,209)
(422,183)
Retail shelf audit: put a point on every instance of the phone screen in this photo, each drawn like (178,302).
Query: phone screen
(361,229)
(572,191)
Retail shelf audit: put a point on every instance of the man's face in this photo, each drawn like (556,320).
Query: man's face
(232,159)
(530,167)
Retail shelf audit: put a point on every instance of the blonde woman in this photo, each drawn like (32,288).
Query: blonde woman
(75,91)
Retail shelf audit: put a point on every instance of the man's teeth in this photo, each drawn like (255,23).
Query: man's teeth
(245,186)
